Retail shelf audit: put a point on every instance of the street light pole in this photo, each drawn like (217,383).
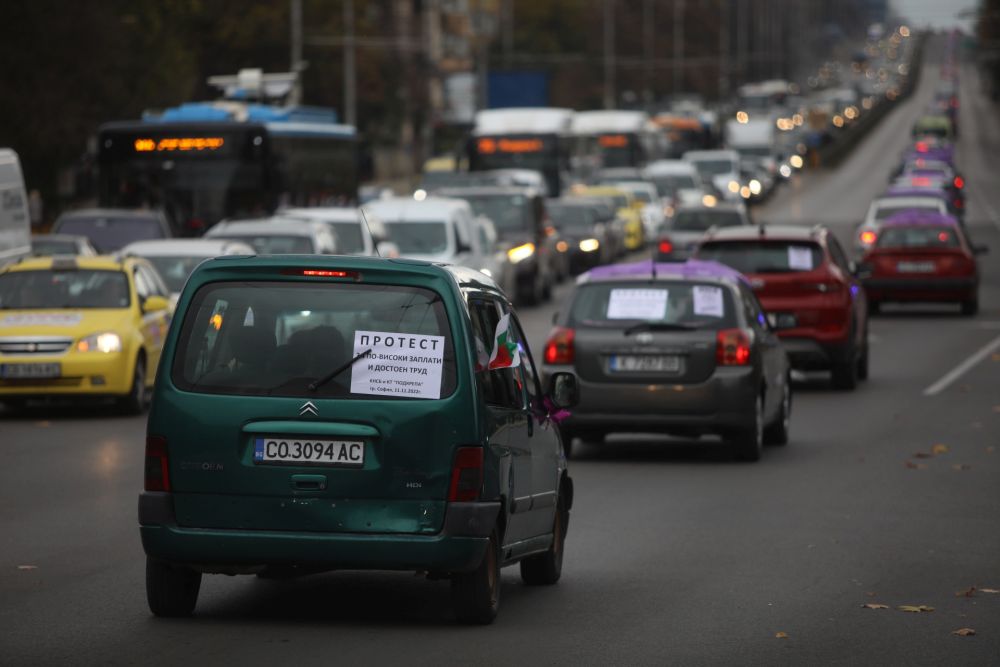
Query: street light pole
(350,83)
(609,54)
(678,44)
(296,64)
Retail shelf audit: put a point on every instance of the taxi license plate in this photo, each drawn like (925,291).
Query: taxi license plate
(915,267)
(21,371)
(645,363)
(309,451)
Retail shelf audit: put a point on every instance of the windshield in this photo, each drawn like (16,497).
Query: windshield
(419,237)
(77,288)
(45,247)
(764,256)
(110,234)
(917,237)
(620,305)
(175,270)
(668,185)
(509,213)
(711,168)
(349,238)
(700,221)
(267,338)
(571,216)
(883,212)
(274,244)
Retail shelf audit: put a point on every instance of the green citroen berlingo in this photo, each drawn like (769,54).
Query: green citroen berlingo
(315,413)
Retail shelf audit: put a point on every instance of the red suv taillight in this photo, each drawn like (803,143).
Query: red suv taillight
(732,347)
(466,475)
(157,464)
(559,347)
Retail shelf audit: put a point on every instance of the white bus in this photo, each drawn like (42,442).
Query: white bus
(623,138)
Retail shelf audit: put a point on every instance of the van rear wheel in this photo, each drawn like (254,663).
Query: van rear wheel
(171,591)
(546,568)
(475,595)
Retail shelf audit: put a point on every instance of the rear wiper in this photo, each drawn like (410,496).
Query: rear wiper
(316,384)
(658,326)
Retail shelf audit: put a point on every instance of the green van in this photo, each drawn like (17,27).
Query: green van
(314,413)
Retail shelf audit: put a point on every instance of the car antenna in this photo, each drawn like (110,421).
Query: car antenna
(368,227)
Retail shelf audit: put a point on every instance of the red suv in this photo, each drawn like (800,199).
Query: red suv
(807,286)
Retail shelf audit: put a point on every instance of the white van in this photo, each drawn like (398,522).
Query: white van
(15,223)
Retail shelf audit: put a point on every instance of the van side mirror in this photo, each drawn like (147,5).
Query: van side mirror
(563,390)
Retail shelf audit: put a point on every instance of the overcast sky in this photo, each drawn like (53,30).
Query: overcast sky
(936,13)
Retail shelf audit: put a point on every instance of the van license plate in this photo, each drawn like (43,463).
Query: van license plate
(645,363)
(309,451)
(19,371)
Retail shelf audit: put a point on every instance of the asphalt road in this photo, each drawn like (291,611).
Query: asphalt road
(675,555)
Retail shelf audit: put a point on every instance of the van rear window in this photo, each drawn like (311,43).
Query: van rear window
(289,339)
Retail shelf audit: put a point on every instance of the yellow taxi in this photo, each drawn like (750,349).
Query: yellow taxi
(81,326)
(628,208)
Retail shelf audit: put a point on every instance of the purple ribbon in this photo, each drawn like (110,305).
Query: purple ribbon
(555,413)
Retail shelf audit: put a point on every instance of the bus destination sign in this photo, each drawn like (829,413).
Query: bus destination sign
(174,144)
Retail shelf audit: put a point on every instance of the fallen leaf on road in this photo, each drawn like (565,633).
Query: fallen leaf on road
(781,635)
(996,408)
(874,605)
(43,424)
(870,594)
(989,590)
(922,455)
(968,593)
(914,608)
(27,567)
(964,632)
(939,449)
(990,449)
(916,466)
(961,466)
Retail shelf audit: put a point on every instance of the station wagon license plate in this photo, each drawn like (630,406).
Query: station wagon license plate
(915,267)
(309,451)
(645,363)
(22,371)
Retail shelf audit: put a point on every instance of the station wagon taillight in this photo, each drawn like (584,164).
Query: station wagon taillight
(559,349)
(666,247)
(157,464)
(732,347)
(466,475)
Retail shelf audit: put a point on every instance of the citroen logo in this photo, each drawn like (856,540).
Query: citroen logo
(645,338)
(308,408)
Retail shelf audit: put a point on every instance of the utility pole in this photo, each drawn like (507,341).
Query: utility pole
(350,83)
(723,49)
(648,37)
(507,23)
(678,45)
(296,65)
(609,54)
(742,25)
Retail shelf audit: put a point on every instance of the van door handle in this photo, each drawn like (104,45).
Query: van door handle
(309,482)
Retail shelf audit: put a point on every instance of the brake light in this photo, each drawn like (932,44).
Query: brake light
(921,146)
(959,182)
(559,348)
(157,464)
(666,247)
(868,237)
(326,274)
(732,347)
(958,203)
(466,475)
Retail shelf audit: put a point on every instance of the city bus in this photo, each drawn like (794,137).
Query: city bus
(623,138)
(207,161)
(536,138)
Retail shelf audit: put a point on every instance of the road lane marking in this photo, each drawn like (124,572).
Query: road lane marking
(962,368)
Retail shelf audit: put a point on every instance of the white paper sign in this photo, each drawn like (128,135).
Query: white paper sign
(637,304)
(400,364)
(708,301)
(800,258)
(43,319)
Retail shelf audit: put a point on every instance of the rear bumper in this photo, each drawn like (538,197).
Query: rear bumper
(810,354)
(458,547)
(723,402)
(921,289)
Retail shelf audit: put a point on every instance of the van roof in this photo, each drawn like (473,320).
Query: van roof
(403,208)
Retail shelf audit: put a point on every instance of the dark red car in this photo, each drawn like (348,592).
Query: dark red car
(922,256)
(807,286)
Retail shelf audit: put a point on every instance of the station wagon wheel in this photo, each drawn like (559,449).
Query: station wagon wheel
(476,595)
(170,590)
(777,432)
(546,568)
(750,441)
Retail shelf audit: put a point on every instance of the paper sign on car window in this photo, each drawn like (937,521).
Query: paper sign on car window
(708,301)
(800,258)
(399,364)
(637,304)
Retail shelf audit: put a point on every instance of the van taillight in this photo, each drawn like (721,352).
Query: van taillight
(157,464)
(466,475)
(559,347)
(732,347)
(666,247)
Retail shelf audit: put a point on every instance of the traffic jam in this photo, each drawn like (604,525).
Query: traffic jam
(334,373)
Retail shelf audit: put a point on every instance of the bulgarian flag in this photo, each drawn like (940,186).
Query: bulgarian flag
(505,353)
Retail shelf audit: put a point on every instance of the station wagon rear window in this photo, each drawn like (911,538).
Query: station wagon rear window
(691,305)
(294,339)
(764,256)
(918,237)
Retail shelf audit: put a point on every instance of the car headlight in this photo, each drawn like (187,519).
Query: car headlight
(755,186)
(521,252)
(106,342)
(589,245)
(733,186)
